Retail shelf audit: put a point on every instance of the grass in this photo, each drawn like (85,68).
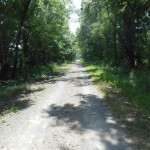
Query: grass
(49,70)
(10,90)
(134,84)
(128,94)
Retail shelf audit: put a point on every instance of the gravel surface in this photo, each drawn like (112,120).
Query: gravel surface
(68,115)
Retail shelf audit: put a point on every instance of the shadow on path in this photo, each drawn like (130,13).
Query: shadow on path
(89,115)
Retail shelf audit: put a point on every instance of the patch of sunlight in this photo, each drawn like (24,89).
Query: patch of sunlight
(111,140)
(110,120)
(132,82)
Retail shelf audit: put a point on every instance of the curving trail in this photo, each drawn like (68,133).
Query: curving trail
(68,115)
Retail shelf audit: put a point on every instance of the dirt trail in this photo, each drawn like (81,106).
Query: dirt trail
(68,115)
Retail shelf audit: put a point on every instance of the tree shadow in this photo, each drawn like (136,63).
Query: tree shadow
(13,106)
(77,80)
(23,104)
(80,81)
(90,115)
(72,72)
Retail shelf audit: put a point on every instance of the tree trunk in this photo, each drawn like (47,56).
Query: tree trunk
(115,44)
(22,21)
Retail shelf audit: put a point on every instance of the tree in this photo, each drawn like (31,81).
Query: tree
(32,34)
(115,31)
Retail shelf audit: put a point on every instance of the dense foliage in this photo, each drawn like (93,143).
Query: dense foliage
(117,31)
(32,34)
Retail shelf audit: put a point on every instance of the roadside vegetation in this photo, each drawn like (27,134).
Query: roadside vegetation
(135,84)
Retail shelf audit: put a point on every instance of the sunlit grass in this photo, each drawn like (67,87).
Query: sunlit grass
(134,84)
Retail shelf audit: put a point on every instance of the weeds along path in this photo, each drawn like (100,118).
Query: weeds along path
(69,114)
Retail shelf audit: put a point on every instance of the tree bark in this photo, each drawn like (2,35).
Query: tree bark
(22,21)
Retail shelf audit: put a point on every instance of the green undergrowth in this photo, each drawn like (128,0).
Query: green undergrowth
(134,84)
(10,90)
(52,69)
(127,92)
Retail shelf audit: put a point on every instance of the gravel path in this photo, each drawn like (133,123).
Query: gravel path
(68,115)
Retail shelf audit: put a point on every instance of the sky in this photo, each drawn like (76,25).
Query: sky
(74,23)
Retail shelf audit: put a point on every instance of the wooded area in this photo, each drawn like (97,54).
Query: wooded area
(113,40)
(33,34)
(116,31)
